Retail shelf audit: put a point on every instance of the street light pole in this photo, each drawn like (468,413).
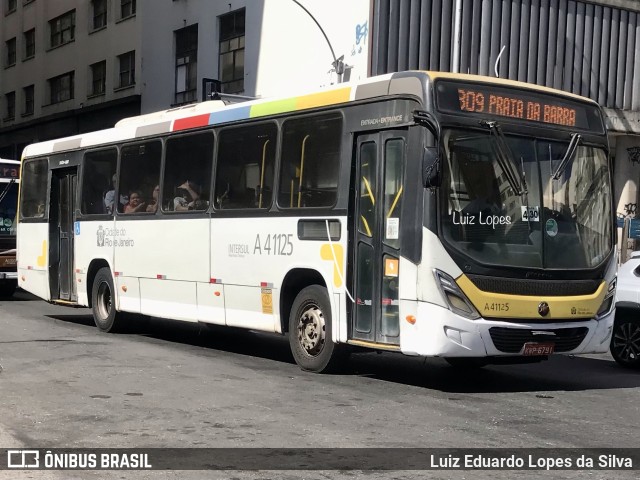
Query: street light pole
(338,63)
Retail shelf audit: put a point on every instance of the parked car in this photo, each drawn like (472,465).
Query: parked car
(625,341)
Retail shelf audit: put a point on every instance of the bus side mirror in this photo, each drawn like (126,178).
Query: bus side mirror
(430,167)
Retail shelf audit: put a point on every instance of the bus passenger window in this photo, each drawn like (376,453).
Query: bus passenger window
(98,188)
(244,174)
(187,173)
(310,161)
(34,188)
(139,173)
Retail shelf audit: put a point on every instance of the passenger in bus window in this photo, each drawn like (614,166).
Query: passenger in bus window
(136,204)
(153,205)
(189,199)
(110,197)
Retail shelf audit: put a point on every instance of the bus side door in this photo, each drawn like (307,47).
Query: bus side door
(62,281)
(376,253)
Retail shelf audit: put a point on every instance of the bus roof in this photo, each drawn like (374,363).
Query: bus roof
(216,112)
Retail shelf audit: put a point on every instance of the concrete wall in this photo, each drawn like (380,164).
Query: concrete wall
(294,54)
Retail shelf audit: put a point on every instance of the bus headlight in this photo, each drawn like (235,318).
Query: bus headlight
(456,300)
(609,301)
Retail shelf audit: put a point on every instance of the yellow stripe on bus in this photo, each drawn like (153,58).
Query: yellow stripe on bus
(500,305)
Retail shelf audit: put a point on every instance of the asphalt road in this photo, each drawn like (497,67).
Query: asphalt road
(171,384)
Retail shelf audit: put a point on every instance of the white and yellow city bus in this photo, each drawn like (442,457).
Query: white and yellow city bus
(432,214)
(9,180)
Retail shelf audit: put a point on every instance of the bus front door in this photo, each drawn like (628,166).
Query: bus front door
(61,234)
(378,197)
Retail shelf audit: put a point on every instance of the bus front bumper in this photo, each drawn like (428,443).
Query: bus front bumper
(439,332)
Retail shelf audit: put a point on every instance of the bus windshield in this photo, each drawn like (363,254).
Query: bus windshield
(8,207)
(559,223)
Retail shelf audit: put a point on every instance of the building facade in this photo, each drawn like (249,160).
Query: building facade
(72,66)
(68,67)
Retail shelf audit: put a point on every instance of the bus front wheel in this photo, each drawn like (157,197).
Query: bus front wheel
(103,301)
(310,328)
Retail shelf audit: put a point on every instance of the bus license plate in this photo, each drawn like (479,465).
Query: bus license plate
(538,349)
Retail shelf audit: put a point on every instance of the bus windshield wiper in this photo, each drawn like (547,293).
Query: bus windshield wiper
(568,155)
(505,158)
(6,189)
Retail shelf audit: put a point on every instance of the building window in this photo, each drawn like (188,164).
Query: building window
(99,13)
(127,8)
(63,28)
(127,62)
(11,52)
(98,78)
(186,64)
(30,43)
(28,95)
(10,106)
(61,87)
(11,6)
(231,66)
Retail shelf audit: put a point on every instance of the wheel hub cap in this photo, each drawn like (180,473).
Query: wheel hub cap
(311,330)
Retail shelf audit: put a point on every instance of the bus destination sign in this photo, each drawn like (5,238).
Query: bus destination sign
(9,171)
(517,104)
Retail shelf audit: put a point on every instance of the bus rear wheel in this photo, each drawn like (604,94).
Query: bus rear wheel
(105,315)
(310,328)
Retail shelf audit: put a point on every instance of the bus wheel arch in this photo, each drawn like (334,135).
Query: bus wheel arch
(294,282)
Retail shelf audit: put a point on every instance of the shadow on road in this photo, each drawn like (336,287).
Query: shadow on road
(559,373)
(20,296)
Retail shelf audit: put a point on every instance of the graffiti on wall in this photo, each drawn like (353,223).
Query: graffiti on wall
(634,155)
(362,32)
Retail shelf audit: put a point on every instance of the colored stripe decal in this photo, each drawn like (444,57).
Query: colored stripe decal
(161,277)
(231,115)
(314,100)
(191,122)
(272,108)
(154,129)
(324,98)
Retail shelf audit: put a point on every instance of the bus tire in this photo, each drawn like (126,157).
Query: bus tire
(310,327)
(105,315)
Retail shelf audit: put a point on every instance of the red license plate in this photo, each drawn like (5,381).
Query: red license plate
(538,349)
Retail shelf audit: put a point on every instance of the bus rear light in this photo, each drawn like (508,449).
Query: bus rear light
(456,300)
(23,278)
(217,294)
(411,319)
(124,288)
